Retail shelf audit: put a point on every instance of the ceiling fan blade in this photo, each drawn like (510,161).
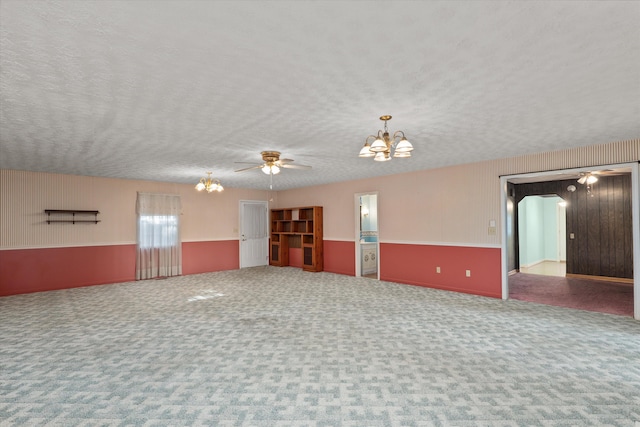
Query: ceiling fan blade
(283,161)
(582,179)
(296,166)
(248,169)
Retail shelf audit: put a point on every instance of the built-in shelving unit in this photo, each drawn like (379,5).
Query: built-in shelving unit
(71,215)
(297,228)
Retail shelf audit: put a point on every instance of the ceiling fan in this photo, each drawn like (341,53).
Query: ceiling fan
(272,163)
(587,178)
(592,176)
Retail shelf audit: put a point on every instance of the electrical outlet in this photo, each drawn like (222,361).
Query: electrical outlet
(492,231)
(468,273)
(437,269)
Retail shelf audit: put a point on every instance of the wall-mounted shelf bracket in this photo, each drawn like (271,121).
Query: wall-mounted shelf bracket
(73,212)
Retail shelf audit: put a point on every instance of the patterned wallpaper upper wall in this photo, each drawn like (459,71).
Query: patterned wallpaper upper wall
(450,205)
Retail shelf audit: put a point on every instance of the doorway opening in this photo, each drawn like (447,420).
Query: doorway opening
(623,183)
(542,225)
(367,243)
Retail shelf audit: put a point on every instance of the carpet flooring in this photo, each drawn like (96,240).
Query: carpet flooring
(583,294)
(268,346)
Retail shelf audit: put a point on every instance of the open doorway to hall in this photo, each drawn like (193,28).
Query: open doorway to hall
(367,241)
(601,235)
(542,229)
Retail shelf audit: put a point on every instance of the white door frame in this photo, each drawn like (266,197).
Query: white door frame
(241,205)
(561,232)
(358,248)
(635,220)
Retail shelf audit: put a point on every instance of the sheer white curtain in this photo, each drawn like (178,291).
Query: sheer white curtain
(159,251)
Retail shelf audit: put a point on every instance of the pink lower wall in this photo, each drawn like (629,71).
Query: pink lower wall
(339,257)
(204,257)
(416,265)
(36,270)
(47,269)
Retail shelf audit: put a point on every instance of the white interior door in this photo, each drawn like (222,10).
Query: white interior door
(254,238)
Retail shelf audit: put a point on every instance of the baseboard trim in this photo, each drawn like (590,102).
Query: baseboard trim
(601,278)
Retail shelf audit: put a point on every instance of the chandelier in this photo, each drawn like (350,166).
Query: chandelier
(209,184)
(382,145)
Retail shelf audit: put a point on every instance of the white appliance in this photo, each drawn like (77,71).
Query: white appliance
(369,258)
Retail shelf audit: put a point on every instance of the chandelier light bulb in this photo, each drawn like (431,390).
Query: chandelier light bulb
(381,157)
(378,146)
(366,151)
(402,154)
(404,146)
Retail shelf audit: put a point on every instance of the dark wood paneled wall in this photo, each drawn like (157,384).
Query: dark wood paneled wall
(600,221)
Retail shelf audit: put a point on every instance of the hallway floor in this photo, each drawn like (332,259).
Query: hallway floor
(584,294)
(546,268)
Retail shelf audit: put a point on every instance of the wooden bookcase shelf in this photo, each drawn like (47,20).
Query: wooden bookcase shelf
(71,215)
(297,228)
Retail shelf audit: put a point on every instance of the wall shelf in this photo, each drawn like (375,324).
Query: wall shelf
(297,228)
(76,216)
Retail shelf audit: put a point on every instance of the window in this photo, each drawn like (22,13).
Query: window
(157,231)
(159,251)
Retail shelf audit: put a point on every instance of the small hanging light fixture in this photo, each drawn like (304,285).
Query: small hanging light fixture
(589,179)
(382,145)
(209,184)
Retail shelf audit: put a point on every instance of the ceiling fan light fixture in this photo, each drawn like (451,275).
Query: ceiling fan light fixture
(271,169)
(587,179)
(273,164)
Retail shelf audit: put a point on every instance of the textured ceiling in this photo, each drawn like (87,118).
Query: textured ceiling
(167,90)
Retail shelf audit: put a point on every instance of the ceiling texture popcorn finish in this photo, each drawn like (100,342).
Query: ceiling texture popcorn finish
(163,90)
